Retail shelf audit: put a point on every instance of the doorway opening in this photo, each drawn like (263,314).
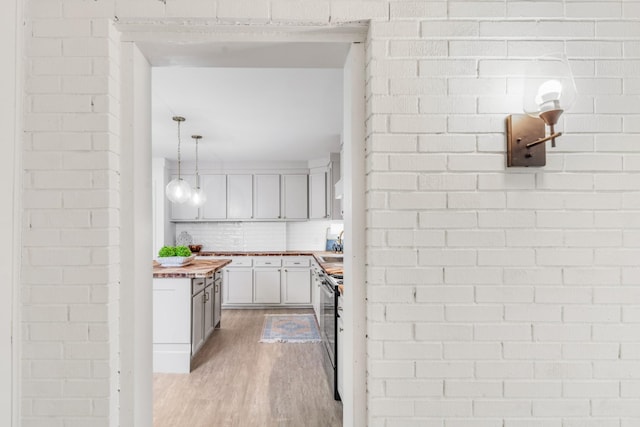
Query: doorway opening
(135,307)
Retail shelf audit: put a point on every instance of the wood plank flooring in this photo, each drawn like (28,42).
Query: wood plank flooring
(237,381)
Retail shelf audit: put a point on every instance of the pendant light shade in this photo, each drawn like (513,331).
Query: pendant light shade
(178,190)
(198,196)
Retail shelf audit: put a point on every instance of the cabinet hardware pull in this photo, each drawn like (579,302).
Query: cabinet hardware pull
(341,329)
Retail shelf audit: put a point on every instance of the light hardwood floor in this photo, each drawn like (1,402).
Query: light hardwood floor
(238,381)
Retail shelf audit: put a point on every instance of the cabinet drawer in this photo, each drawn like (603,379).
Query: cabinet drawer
(296,262)
(241,262)
(197,285)
(267,262)
(217,275)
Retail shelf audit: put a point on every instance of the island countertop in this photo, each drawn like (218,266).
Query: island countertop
(198,268)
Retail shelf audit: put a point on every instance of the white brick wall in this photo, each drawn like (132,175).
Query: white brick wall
(70,254)
(496,297)
(529,304)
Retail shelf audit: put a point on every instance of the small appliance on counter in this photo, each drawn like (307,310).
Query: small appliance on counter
(334,238)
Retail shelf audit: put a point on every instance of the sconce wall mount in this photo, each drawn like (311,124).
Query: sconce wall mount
(523,130)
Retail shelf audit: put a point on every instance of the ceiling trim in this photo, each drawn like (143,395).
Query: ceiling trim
(197,31)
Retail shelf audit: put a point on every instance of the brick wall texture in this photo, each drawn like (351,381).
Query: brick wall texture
(496,297)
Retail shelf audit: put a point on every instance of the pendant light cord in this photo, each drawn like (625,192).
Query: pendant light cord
(179,177)
(197,139)
(197,171)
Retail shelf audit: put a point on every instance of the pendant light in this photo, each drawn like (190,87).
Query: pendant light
(198,196)
(178,190)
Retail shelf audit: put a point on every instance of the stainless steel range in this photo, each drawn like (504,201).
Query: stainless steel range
(328,329)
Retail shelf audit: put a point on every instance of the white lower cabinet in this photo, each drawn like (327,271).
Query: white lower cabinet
(296,285)
(197,325)
(267,280)
(208,310)
(184,316)
(316,289)
(266,285)
(238,285)
(217,301)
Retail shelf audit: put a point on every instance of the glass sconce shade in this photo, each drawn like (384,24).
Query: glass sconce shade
(549,88)
(198,197)
(178,190)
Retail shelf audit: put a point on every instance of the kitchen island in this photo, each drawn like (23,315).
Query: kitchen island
(186,310)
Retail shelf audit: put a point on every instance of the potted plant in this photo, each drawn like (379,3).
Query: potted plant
(175,256)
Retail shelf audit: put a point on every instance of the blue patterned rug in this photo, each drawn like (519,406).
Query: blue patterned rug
(294,328)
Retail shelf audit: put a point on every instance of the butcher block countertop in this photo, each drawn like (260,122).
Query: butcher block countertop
(198,268)
(328,267)
(255,253)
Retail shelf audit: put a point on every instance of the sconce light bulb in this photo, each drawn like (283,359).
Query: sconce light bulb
(548,96)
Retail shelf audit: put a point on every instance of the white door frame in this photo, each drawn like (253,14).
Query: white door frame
(354,313)
(135,328)
(11,92)
(355,413)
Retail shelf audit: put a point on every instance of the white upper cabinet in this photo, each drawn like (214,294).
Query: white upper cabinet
(269,196)
(239,196)
(185,211)
(294,197)
(215,187)
(318,195)
(266,196)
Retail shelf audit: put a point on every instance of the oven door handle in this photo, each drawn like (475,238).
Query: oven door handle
(328,291)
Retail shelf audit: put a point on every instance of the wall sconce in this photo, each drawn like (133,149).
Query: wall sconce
(549,90)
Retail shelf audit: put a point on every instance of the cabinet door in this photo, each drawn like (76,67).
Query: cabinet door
(197,323)
(318,195)
(266,196)
(215,187)
(334,206)
(217,303)
(294,198)
(266,285)
(297,285)
(238,285)
(208,311)
(239,196)
(316,289)
(185,211)
(171,311)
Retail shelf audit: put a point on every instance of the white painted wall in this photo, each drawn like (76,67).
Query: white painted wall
(494,297)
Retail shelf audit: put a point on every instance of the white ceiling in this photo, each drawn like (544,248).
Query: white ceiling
(259,102)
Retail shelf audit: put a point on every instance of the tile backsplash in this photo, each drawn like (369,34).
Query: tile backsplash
(258,236)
